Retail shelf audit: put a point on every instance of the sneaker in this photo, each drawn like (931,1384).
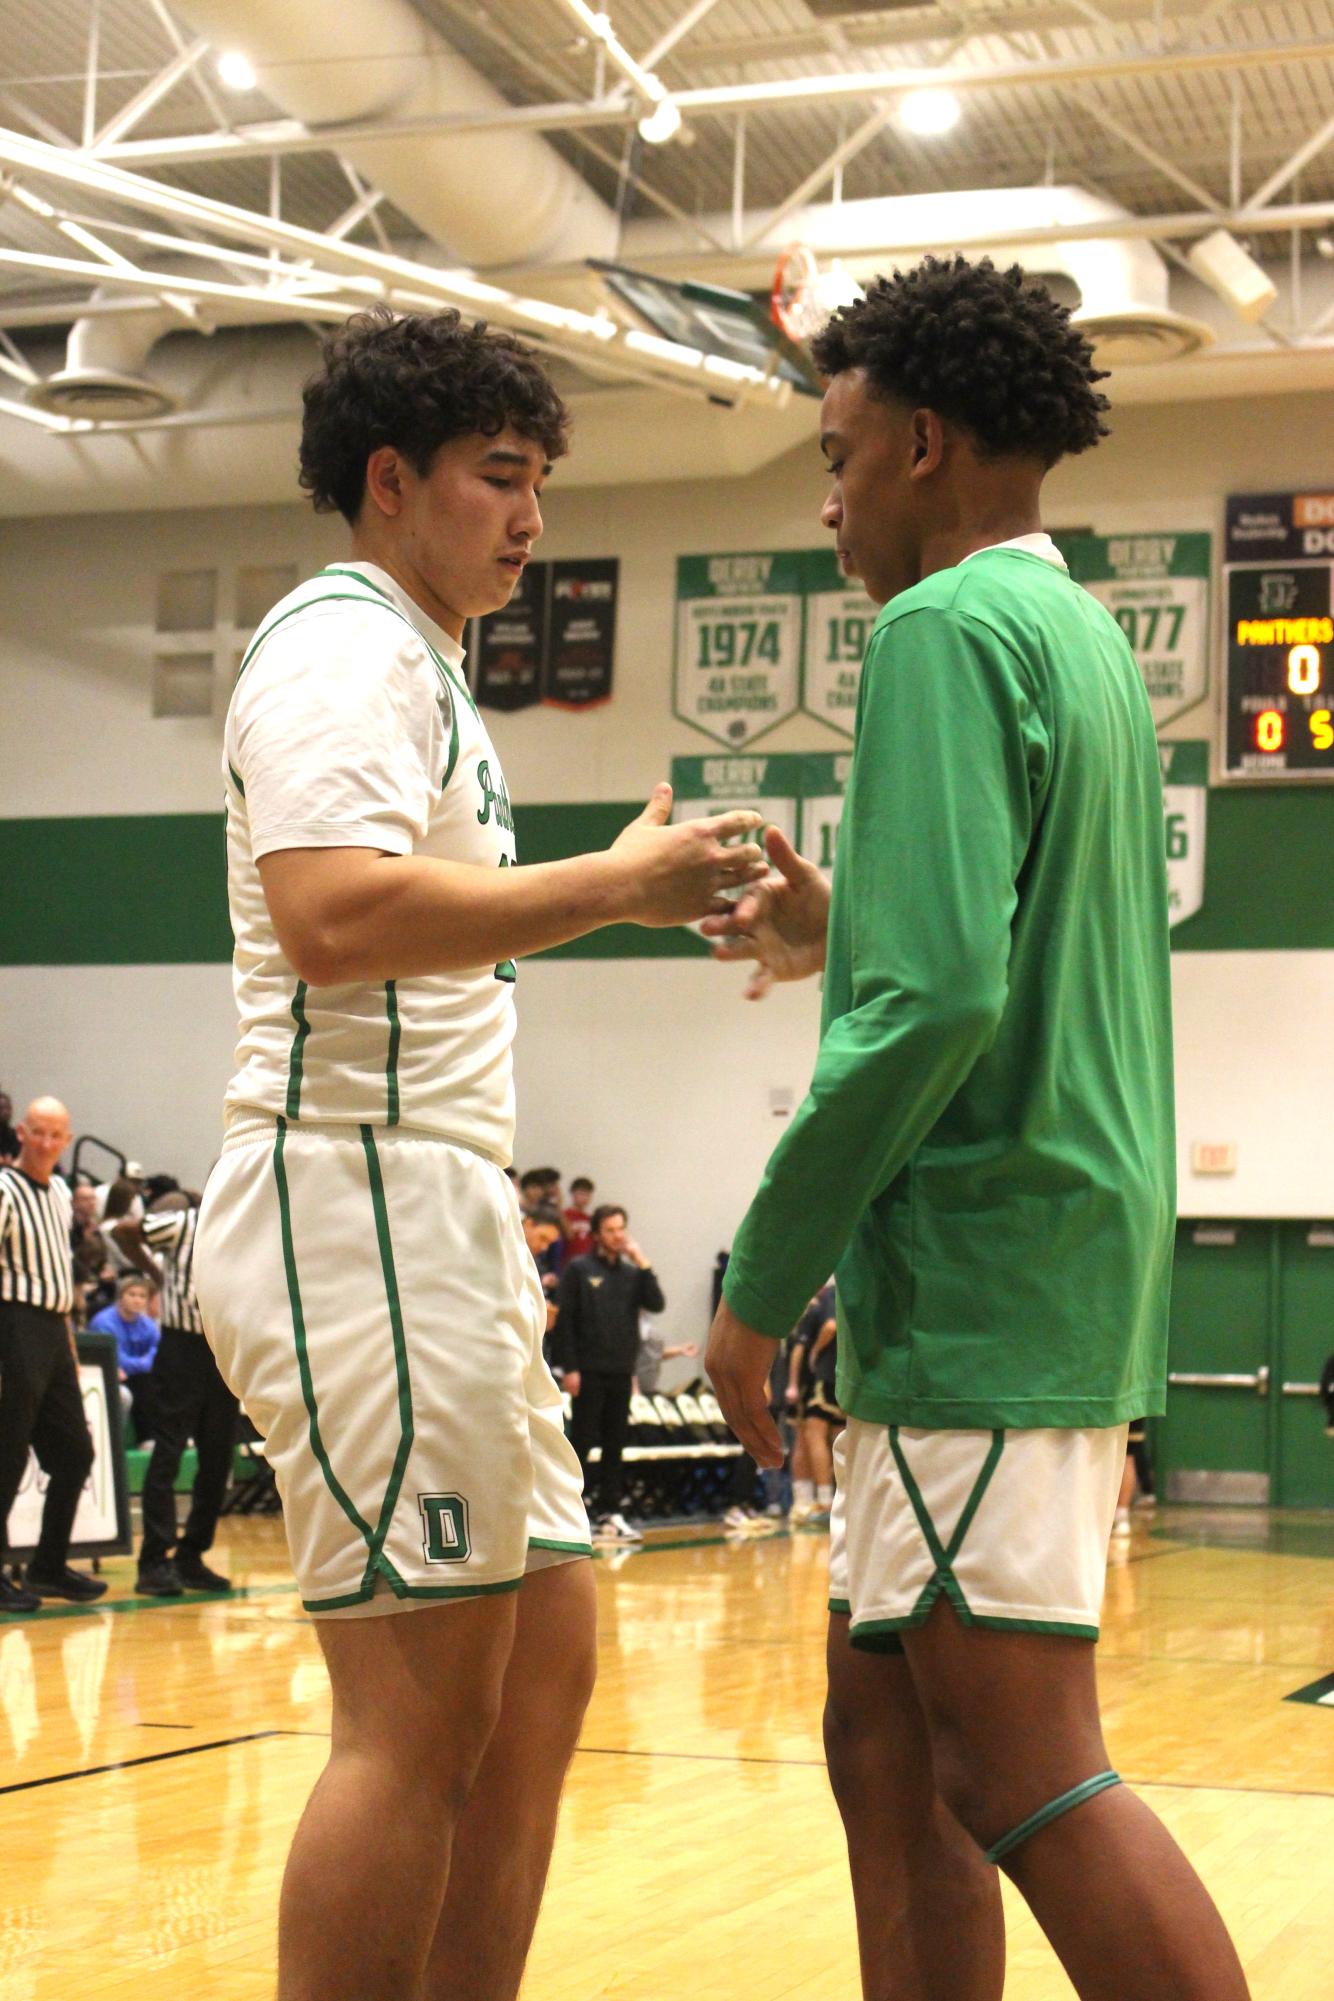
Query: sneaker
(13,1598)
(1121,1522)
(195,1574)
(65,1583)
(160,1580)
(738,1518)
(618,1529)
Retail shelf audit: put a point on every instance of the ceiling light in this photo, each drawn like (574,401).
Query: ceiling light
(929,113)
(660,124)
(235,71)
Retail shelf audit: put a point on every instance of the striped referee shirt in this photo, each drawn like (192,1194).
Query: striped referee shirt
(170,1235)
(36,1268)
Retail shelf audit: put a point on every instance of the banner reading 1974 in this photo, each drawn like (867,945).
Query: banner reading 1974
(738,643)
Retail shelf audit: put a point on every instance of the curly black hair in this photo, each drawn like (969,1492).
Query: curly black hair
(991,350)
(415,381)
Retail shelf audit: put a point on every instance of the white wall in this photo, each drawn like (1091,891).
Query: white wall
(651,1076)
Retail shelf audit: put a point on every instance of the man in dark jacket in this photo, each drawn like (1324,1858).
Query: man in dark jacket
(596,1341)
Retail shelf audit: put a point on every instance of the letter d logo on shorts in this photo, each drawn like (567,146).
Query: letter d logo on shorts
(445,1528)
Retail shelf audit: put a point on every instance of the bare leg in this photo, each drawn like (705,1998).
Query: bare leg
(416,1696)
(1127,1493)
(929,1922)
(1013,1719)
(819,1451)
(502,1846)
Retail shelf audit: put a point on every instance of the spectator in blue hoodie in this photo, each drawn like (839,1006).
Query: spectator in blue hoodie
(136,1335)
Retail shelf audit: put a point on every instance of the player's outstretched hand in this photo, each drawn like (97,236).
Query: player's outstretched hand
(781,923)
(675,874)
(737,1362)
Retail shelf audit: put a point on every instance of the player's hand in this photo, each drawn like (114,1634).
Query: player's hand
(572,1382)
(737,1362)
(780,923)
(673,875)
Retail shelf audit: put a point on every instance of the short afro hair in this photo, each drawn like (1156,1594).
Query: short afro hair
(415,381)
(990,350)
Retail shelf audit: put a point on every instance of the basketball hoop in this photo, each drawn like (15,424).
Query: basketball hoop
(793,305)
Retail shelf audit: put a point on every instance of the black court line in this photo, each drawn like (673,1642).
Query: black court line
(151,1758)
(166,1726)
(818,1764)
(695,1757)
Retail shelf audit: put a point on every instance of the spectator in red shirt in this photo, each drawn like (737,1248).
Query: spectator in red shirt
(578,1220)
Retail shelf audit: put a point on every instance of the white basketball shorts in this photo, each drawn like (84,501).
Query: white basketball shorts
(1010,1527)
(369,1297)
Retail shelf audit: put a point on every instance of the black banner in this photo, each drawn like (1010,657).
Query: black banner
(581,635)
(1269,527)
(509,646)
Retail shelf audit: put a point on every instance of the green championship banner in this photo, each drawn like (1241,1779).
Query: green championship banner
(1185,797)
(761,635)
(824,779)
(799,792)
(1157,589)
(768,785)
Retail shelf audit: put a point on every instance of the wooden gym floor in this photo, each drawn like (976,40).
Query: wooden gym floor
(153,1759)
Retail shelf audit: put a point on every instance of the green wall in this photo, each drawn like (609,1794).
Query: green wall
(149,889)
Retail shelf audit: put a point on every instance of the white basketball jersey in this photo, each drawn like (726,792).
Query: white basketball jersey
(351,726)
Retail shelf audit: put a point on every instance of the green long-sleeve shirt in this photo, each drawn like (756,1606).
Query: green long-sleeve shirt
(987,1152)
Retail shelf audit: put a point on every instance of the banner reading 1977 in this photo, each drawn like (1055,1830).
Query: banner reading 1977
(1156,587)
(763,634)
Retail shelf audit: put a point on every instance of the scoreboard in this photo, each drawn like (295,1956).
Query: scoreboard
(1279,606)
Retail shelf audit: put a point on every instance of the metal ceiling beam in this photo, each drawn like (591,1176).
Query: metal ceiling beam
(152,94)
(856,142)
(289,136)
(1293,166)
(678,31)
(1150,154)
(580,336)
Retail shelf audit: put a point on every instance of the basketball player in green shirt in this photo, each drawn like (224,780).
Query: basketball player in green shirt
(986,1154)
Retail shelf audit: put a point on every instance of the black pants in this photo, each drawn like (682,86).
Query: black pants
(41,1406)
(142,1413)
(190,1401)
(602,1417)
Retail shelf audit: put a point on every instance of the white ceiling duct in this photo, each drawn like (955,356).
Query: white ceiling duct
(488,198)
(1122,283)
(103,378)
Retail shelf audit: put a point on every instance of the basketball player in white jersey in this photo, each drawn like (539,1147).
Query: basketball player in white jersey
(360,1263)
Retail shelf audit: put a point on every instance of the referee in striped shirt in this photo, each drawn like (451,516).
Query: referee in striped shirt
(40,1402)
(190,1400)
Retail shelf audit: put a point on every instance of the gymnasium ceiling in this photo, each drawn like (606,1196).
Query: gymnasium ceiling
(1183,114)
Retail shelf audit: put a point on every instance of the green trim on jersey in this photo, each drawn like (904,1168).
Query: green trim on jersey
(236,778)
(299,1338)
(338,570)
(297,1060)
(391,1063)
(880,1635)
(549,1542)
(325,597)
(375,1559)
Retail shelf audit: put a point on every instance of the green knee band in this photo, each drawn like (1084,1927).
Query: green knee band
(1052,1811)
